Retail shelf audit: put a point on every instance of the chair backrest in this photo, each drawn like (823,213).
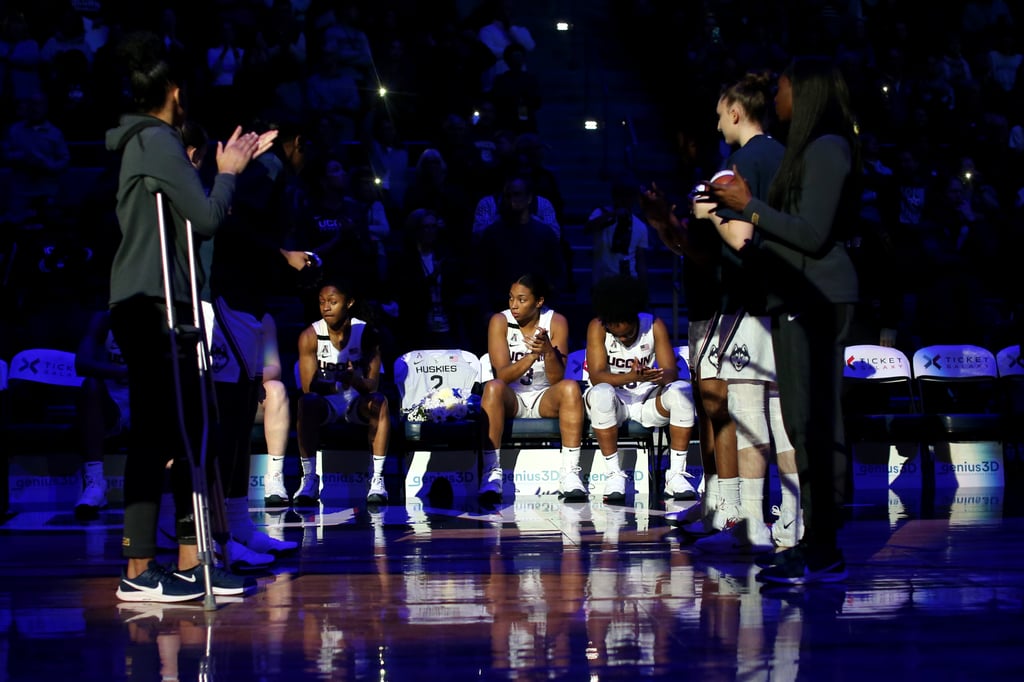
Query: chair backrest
(876,363)
(42,387)
(44,366)
(682,361)
(1010,361)
(877,380)
(950,362)
(955,378)
(576,368)
(486,371)
(419,372)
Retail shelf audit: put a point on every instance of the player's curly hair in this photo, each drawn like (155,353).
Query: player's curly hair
(619,298)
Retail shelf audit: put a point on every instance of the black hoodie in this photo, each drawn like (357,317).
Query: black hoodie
(153,159)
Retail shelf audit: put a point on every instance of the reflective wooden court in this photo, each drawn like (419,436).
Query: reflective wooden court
(534,590)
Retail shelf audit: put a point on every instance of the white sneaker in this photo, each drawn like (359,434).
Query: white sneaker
(788,529)
(678,486)
(308,494)
(93,497)
(262,543)
(570,487)
(712,520)
(274,493)
(238,557)
(615,487)
(491,486)
(377,494)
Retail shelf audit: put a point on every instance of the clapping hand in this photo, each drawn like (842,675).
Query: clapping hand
(645,373)
(656,208)
(539,343)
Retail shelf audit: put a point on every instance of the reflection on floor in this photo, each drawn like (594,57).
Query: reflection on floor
(535,589)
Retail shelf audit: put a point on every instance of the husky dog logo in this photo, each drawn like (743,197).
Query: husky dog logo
(713,356)
(740,357)
(218,357)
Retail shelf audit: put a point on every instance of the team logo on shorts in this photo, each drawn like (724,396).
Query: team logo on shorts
(713,356)
(218,357)
(740,357)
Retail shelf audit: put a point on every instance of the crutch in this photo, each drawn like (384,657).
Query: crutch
(200,495)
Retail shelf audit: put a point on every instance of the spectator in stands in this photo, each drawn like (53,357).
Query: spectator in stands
(431,281)
(516,93)
(431,187)
(620,237)
(333,101)
(634,376)
(389,159)
(339,369)
(23,61)
(364,207)
(327,229)
(497,32)
(37,152)
(69,35)
(527,344)
(541,209)
(103,409)
(224,61)
(516,237)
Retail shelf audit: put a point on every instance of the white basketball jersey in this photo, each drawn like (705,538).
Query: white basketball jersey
(329,359)
(535,378)
(431,370)
(620,358)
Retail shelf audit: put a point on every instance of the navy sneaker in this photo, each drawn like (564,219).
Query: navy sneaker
(158,584)
(225,584)
(776,557)
(802,567)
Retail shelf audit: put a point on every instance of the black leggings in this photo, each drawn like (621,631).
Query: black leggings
(140,328)
(809,352)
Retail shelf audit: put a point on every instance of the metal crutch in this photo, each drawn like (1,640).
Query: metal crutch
(200,495)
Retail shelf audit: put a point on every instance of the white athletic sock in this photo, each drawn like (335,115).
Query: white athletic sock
(308,465)
(729,491)
(677,461)
(611,462)
(378,465)
(570,458)
(93,470)
(492,459)
(275,464)
(790,492)
(752,498)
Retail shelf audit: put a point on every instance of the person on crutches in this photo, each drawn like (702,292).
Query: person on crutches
(164,367)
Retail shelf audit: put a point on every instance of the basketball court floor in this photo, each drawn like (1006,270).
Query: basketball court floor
(534,589)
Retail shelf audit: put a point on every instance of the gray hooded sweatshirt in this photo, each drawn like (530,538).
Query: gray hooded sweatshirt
(153,159)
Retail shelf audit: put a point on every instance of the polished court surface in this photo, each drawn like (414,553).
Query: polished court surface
(534,590)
